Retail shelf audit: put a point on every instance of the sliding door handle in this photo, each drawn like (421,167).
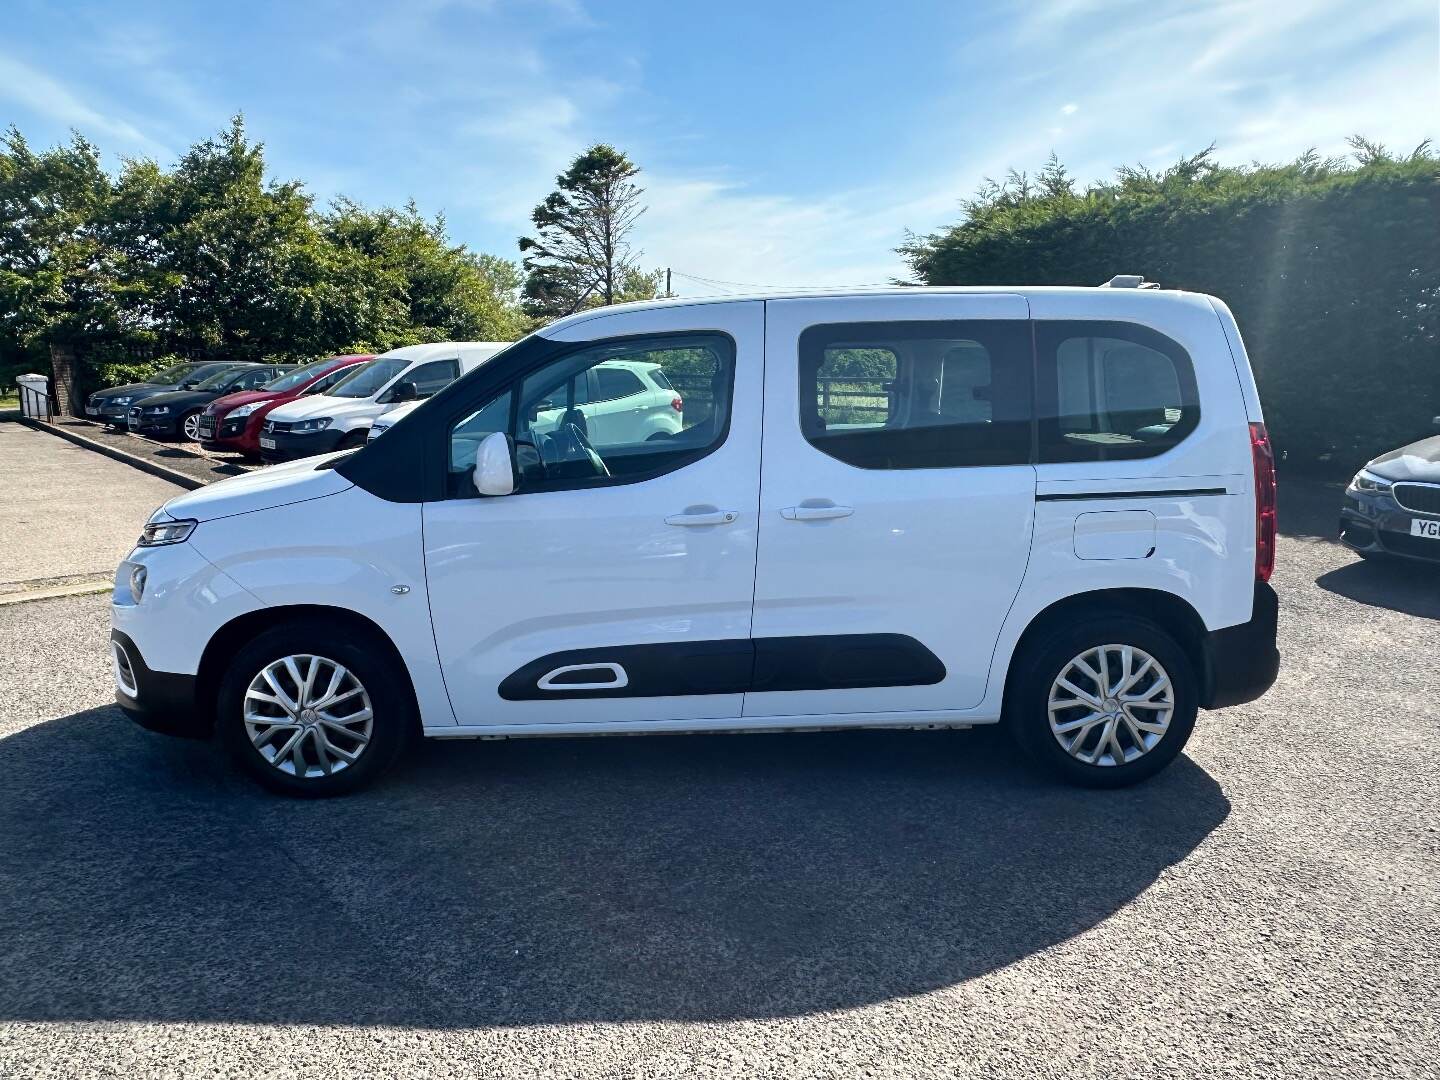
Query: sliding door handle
(706,517)
(815,513)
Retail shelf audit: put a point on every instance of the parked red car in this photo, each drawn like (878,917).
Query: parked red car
(233,422)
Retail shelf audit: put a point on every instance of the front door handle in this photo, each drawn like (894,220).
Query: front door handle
(703,517)
(815,513)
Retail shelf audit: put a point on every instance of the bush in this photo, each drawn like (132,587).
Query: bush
(1331,267)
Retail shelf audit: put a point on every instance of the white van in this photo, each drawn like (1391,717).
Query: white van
(1051,508)
(340,418)
(618,400)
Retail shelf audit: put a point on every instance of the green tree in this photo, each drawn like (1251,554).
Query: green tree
(1332,268)
(581,256)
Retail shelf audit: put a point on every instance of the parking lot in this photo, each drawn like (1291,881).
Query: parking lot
(858,904)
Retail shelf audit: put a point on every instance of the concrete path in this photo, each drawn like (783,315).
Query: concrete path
(67,514)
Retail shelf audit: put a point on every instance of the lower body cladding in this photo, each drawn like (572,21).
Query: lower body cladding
(279,446)
(1378,524)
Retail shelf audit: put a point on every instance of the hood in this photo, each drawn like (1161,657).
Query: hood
(180,398)
(242,397)
(1417,461)
(263,489)
(133,388)
(399,412)
(322,405)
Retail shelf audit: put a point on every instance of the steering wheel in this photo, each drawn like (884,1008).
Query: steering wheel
(572,447)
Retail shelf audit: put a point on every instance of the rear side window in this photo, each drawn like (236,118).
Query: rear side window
(613,383)
(1110,391)
(918,395)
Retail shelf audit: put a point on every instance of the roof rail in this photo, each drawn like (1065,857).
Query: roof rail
(1130,281)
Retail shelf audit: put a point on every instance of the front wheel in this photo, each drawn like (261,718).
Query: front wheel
(190,426)
(310,709)
(1104,703)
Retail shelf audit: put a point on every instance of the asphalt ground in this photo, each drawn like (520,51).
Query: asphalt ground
(838,905)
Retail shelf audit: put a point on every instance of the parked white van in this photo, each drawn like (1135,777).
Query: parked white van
(618,401)
(340,418)
(1051,508)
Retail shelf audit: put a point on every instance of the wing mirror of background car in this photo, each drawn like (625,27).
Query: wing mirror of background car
(495,465)
(404,391)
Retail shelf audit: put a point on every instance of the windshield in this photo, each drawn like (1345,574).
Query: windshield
(291,379)
(174,373)
(369,377)
(219,379)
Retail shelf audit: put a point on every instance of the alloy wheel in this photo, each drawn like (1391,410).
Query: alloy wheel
(1111,705)
(190,426)
(308,716)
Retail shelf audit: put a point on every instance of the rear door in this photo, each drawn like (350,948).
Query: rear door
(897,500)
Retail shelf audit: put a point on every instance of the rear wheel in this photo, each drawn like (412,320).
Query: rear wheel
(310,710)
(1104,703)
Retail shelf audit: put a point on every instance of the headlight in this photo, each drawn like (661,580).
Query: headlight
(243,410)
(137,582)
(158,533)
(120,401)
(1371,484)
(156,410)
(309,427)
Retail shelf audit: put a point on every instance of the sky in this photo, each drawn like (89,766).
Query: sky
(783,144)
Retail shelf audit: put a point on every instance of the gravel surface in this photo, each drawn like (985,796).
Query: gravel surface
(859,904)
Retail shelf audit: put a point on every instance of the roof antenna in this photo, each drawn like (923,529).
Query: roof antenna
(1130,281)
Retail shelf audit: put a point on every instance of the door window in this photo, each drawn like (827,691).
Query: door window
(917,395)
(431,378)
(1111,391)
(613,382)
(565,438)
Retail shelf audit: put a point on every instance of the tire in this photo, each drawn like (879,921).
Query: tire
(188,426)
(315,765)
(1090,759)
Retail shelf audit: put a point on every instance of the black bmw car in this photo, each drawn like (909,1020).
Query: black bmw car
(1392,507)
(177,413)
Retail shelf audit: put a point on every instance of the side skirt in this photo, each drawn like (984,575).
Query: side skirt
(916,721)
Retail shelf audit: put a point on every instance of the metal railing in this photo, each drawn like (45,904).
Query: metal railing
(34,403)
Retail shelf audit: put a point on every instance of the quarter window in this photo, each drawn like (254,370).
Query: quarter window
(1111,391)
(567,437)
(917,395)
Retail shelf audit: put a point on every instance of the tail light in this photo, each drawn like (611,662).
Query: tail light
(1263,457)
(677,404)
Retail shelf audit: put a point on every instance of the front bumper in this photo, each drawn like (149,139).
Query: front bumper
(140,424)
(289,447)
(1375,524)
(1242,662)
(107,414)
(156,700)
(238,436)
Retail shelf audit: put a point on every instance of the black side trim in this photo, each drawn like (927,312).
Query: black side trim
(1169,493)
(1242,662)
(166,702)
(686,669)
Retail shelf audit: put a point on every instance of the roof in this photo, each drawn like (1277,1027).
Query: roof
(443,349)
(1102,297)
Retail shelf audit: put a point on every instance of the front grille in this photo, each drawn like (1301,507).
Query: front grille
(207,425)
(134,412)
(272,426)
(1420,498)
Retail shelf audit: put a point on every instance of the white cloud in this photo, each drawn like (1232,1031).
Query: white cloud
(1069,109)
(46,96)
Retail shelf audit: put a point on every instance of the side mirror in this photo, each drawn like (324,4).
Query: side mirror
(495,465)
(404,391)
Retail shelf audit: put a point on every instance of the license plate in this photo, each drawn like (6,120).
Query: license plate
(267,444)
(91,410)
(1430,529)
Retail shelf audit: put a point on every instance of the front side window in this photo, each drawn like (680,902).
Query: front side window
(326,383)
(429,379)
(569,432)
(917,395)
(1111,391)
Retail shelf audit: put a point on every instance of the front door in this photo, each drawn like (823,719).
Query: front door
(615,584)
(897,500)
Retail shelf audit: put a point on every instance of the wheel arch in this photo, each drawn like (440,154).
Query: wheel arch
(233,635)
(1171,612)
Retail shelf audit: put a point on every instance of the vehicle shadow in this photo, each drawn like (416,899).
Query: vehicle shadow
(553,881)
(1412,588)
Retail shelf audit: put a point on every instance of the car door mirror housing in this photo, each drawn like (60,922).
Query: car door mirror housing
(495,465)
